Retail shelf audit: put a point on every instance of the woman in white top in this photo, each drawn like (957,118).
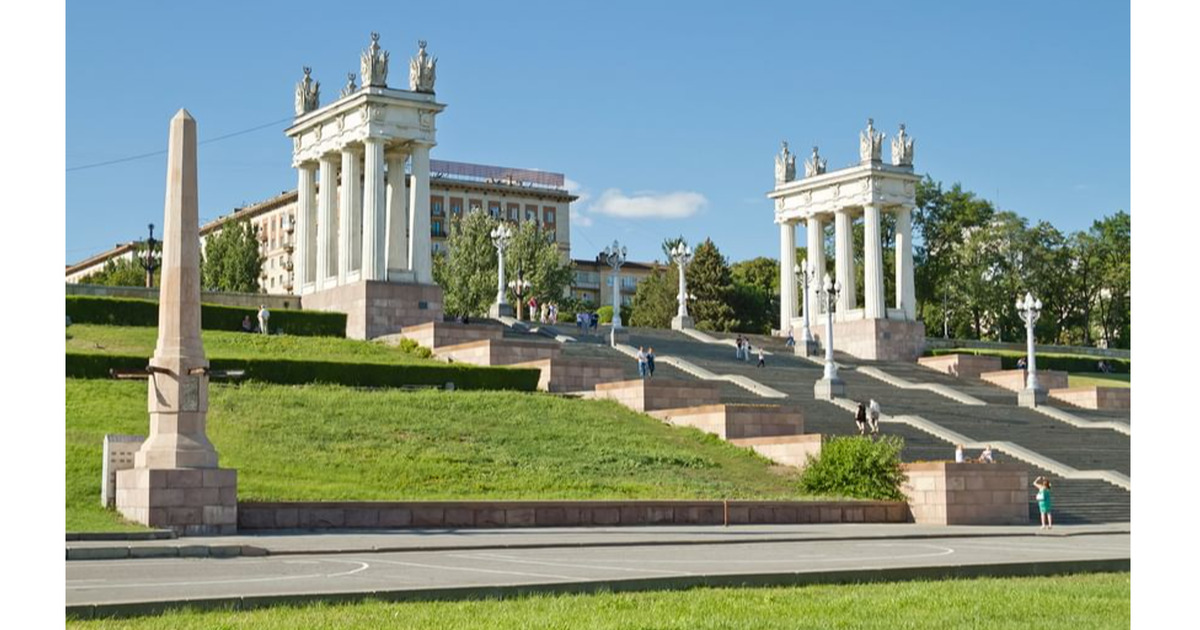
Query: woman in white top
(960,455)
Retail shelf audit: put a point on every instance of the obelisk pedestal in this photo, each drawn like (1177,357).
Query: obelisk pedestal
(175,483)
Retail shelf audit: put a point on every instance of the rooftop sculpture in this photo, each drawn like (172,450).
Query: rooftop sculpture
(785,165)
(870,143)
(374,64)
(308,93)
(814,165)
(422,71)
(902,148)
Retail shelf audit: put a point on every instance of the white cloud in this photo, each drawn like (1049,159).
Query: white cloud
(646,205)
(579,205)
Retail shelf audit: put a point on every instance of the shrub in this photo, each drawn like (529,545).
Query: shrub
(111,311)
(410,346)
(606,314)
(1061,362)
(856,466)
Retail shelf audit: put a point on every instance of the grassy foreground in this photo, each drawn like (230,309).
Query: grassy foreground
(220,344)
(320,442)
(1090,601)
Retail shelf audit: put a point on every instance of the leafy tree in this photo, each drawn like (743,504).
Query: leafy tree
(121,272)
(1112,252)
(535,257)
(709,279)
(670,243)
(231,260)
(654,304)
(943,219)
(468,273)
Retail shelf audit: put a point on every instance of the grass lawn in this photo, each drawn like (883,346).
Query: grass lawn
(321,442)
(1099,379)
(220,344)
(1092,601)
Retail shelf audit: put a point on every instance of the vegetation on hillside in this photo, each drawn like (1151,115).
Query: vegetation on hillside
(232,261)
(856,466)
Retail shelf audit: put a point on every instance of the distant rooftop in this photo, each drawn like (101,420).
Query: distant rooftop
(497,174)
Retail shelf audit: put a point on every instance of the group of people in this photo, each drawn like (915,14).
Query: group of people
(548,313)
(645,359)
(867,417)
(586,321)
(985,456)
(742,345)
(264,317)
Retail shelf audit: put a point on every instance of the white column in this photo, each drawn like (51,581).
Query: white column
(418,221)
(843,252)
(906,291)
(374,262)
(816,260)
(397,217)
(305,255)
(349,211)
(327,228)
(787,275)
(873,302)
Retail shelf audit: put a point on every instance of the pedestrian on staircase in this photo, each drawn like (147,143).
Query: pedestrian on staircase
(873,416)
(1045,503)
(641,359)
(738,345)
(650,361)
(762,362)
(860,419)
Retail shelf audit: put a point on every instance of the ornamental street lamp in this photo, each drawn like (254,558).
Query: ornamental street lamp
(520,287)
(501,237)
(804,273)
(682,255)
(153,258)
(830,386)
(1033,394)
(614,255)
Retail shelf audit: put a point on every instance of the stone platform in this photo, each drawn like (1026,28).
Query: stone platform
(962,365)
(730,421)
(1099,398)
(499,351)
(188,501)
(1014,380)
(788,450)
(946,493)
(659,393)
(436,334)
(562,374)
(876,339)
(375,308)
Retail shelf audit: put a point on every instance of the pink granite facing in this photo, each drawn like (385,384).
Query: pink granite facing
(946,493)
(190,501)
(562,374)
(659,393)
(1102,398)
(962,365)
(374,308)
(732,421)
(499,351)
(435,335)
(1014,380)
(877,339)
(788,450)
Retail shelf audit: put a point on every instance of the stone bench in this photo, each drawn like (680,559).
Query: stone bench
(1015,379)
(788,450)
(946,493)
(962,365)
(659,393)
(562,374)
(498,351)
(434,335)
(1099,398)
(737,421)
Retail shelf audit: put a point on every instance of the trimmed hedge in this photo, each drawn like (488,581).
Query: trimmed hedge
(288,372)
(113,311)
(1061,362)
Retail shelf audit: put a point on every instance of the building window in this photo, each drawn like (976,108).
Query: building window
(494,209)
(435,206)
(514,212)
(476,203)
(549,215)
(455,206)
(628,282)
(437,228)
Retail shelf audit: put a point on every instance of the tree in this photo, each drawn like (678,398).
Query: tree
(709,279)
(535,257)
(654,304)
(121,272)
(468,273)
(943,219)
(669,244)
(755,294)
(231,260)
(1112,237)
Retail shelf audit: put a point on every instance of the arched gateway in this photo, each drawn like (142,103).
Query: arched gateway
(877,329)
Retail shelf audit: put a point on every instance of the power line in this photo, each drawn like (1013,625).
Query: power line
(162,152)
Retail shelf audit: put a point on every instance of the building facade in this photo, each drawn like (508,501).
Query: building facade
(593,282)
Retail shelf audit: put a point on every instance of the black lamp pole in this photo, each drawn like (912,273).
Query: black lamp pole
(150,262)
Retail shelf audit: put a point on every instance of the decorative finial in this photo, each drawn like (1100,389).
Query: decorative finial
(308,93)
(814,165)
(902,148)
(422,71)
(870,143)
(374,65)
(785,165)
(350,88)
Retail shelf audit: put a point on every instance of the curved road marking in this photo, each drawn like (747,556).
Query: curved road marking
(362,567)
(503,558)
(475,570)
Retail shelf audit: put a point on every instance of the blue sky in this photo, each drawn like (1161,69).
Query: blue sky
(671,111)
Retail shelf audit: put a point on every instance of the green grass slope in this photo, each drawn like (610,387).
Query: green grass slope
(317,442)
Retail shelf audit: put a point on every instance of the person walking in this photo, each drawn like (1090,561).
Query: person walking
(738,348)
(650,361)
(860,419)
(1044,501)
(762,362)
(960,454)
(641,359)
(746,350)
(791,339)
(263,317)
(873,416)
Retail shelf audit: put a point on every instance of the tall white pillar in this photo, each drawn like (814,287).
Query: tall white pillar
(419,236)
(304,257)
(873,302)
(906,291)
(374,263)
(397,216)
(327,229)
(349,212)
(816,260)
(843,252)
(787,275)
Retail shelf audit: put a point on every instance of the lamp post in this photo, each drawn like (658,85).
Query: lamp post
(1033,394)
(804,274)
(614,256)
(830,386)
(520,287)
(501,237)
(153,258)
(682,255)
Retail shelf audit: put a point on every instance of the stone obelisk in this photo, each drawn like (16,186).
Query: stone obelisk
(175,482)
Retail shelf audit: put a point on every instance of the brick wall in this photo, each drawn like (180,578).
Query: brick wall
(574,375)
(434,335)
(1015,379)
(789,450)
(1104,398)
(945,493)
(499,351)
(737,421)
(962,365)
(659,393)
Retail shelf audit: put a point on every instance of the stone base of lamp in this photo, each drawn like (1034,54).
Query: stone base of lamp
(497,310)
(374,308)
(188,501)
(1032,397)
(877,339)
(681,322)
(828,389)
(618,335)
(807,349)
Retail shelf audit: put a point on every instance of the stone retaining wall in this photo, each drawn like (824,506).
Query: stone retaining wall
(876,339)
(737,421)
(477,514)
(562,374)
(962,365)
(1015,379)
(227,298)
(938,342)
(788,450)
(659,393)
(435,335)
(1101,398)
(499,351)
(946,493)
(374,309)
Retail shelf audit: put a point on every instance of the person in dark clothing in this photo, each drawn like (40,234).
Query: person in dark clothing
(860,418)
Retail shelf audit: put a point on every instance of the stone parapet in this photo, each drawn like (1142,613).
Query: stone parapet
(499,351)
(962,365)
(374,309)
(1100,398)
(434,335)
(561,374)
(876,339)
(1014,380)
(788,450)
(189,501)
(946,493)
(730,421)
(489,514)
(659,393)
(226,298)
